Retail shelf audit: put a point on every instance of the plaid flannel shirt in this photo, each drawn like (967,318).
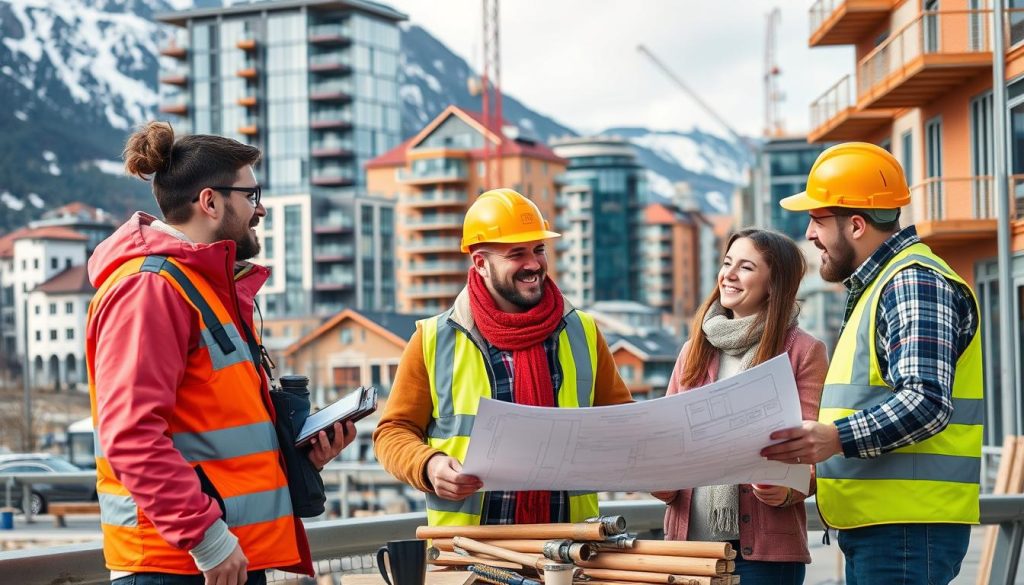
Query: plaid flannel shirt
(500,507)
(924,323)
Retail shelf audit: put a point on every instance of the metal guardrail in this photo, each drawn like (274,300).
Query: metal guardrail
(83,564)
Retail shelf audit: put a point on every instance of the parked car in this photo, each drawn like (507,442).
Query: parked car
(44,493)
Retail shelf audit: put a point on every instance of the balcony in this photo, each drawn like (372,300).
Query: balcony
(333,253)
(434,198)
(438,267)
(176,109)
(249,129)
(334,280)
(959,210)
(334,222)
(332,149)
(932,54)
(329,63)
(433,291)
(333,176)
(330,34)
(428,245)
(175,52)
(434,170)
(249,101)
(844,22)
(177,77)
(328,119)
(435,221)
(248,45)
(248,73)
(331,91)
(835,117)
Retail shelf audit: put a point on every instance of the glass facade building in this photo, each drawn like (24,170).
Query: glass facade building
(602,202)
(313,84)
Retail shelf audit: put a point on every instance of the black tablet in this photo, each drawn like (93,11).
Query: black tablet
(354,406)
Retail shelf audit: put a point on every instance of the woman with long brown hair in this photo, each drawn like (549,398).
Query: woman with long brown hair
(749,318)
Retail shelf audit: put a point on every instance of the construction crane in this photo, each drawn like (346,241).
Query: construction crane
(693,95)
(773,126)
(489,88)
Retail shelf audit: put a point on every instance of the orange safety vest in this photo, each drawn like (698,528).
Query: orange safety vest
(221,427)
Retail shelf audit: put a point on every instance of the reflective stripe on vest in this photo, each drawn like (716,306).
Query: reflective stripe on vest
(220,423)
(459,378)
(935,480)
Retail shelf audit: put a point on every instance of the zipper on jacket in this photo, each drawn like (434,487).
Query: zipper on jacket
(485,355)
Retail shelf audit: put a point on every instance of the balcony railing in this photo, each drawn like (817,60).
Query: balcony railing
(434,198)
(330,34)
(437,220)
(438,267)
(434,170)
(943,199)
(434,290)
(930,54)
(843,22)
(328,62)
(333,252)
(432,244)
(340,118)
(835,116)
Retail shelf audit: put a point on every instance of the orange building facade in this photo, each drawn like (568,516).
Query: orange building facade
(434,177)
(923,89)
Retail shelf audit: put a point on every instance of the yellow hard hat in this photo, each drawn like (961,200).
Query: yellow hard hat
(503,216)
(853,174)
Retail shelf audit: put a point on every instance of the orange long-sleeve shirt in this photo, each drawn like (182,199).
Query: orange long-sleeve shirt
(400,438)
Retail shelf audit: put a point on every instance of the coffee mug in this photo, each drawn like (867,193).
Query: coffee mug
(407,560)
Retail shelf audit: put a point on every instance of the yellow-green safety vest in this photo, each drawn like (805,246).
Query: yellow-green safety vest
(936,480)
(459,378)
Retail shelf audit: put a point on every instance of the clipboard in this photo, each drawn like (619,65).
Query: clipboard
(352,407)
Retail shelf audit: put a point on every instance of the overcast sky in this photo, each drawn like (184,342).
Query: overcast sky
(576,60)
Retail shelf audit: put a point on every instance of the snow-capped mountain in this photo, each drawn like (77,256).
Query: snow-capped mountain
(76,75)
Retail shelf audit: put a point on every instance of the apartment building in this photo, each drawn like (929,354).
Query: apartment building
(435,176)
(314,84)
(922,87)
(56,341)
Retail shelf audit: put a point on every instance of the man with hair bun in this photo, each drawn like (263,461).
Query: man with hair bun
(190,477)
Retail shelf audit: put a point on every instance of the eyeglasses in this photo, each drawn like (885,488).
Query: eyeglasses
(253,194)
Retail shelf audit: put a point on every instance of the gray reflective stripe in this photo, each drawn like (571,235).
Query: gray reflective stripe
(966,411)
(444,365)
(473,505)
(580,356)
(220,359)
(456,425)
(226,443)
(118,510)
(97,448)
(862,357)
(257,507)
(161,263)
(904,466)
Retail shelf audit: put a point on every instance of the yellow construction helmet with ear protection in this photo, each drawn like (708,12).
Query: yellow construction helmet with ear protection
(503,216)
(853,174)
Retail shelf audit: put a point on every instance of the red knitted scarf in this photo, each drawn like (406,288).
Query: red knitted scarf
(523,334)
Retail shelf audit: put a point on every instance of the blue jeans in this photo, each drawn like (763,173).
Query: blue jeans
(904,554)
(767,573)
(255,578)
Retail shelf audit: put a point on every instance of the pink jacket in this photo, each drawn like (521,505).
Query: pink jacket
(145,333)
(767,533)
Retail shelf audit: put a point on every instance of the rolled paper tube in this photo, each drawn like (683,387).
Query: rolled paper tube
(659,564)
(567,550)
(678,580)
(525,559)
(450,559)
(578,532)
(681,548)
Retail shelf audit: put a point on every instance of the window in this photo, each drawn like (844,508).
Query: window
(24,265)
(53,263)
(69,307)
(35,263)
(39,309)
(53,335)
(982,167)
(69,333)
(346,336)
(933,169)
(907,144)
(67,263)
(53,308)
(39,335)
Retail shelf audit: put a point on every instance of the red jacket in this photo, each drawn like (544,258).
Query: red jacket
(767,533)
(138,373)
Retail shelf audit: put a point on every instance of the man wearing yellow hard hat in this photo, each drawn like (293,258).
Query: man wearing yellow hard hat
(511,336)
(898,439)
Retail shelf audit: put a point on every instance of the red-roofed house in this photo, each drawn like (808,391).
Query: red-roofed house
(435,176)
(30,257)
(56,342)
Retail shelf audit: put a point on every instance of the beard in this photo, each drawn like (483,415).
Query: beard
(231,228)
(840,264)
(508,291)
